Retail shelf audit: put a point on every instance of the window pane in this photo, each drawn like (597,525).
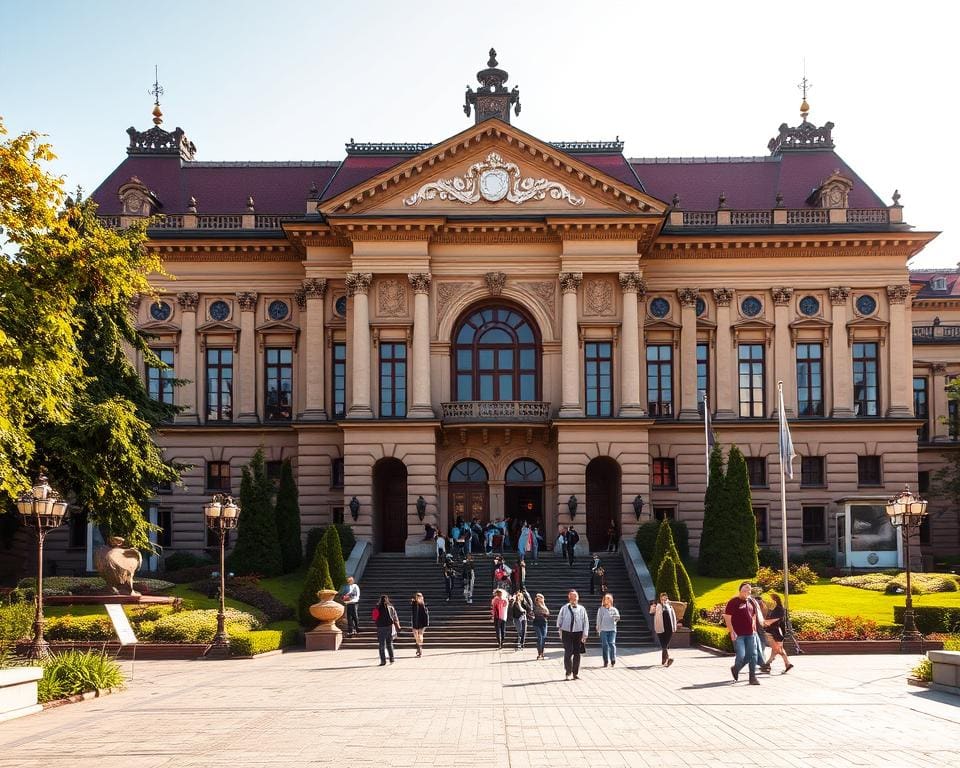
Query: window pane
(485,359)
(464,387)
(486,387)
(495,336)
(506,387)
(528,387)
(527,359)
(464,360)
(505,358)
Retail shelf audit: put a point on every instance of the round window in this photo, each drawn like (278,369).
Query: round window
(219,310)
(340,306)
(160,310)
(751,306)
(701,307)
(866,305)
(659,307)
(278,310)
(809,306)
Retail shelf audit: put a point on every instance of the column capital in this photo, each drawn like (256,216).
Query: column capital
(723,296)
(570,281)
(420,281)
(188,301)
(897,294)
(358,282)
(688,297)
(839,295)
(314,287)
(782,296)
(938,369)
(247,301)
(630,282)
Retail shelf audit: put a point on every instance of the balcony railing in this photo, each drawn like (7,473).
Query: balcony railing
(936,334)
(493,411)
(206,221)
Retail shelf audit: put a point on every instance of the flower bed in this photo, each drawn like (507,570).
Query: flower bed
(896,583)
(84,585)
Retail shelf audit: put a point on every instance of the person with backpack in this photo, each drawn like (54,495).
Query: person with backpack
(449,574)
(384,616)
(419,620)
(572,539)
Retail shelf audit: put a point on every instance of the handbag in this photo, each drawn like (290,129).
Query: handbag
(583,646)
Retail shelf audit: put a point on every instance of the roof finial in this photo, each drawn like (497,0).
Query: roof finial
(803,86)
(156,92)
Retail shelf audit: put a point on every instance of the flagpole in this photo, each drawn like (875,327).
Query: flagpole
(789,640)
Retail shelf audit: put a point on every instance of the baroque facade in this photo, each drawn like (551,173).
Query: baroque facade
(502,326)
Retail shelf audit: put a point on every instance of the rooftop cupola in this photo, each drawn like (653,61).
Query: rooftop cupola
(804,136)
(157,141)
(492,99)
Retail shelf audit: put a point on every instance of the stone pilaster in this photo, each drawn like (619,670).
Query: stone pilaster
(901,353)
(724,407)
(421,407)
(642,344)
(631,284)
(782,359)
(247,360)
(688,354)
(186,363)
(571,403)
(311,301)
(939,402)
(840,355)
(358,284)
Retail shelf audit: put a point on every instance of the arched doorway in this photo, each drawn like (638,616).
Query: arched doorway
(467,493)
(390,504)
(603,500)
(523,495)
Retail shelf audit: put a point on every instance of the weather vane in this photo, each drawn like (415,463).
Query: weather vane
(156,92)
(803,86)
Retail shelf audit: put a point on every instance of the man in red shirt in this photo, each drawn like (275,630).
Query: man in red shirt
(740,616)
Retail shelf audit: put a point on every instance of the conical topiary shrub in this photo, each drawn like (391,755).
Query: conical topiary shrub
(288,519)
(258,548)
(741,553)
(667,579)
(664,546)
(318,577)
(711,535)
(334,553)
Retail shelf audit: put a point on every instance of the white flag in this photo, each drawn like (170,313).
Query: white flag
(787,454)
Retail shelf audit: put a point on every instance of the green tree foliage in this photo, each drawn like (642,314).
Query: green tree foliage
(258,548)
(742,555)
(70,400)
(713,533)
(667,579)
(946,481)
(288,519)
(663,547)
(666,548)
(334,553)
(318,577)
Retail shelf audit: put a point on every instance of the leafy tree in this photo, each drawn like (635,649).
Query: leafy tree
(741,554)
(258,547)
(946,481)
(288,519)
(318,577)
(334,553)
(713,532)
(667,579)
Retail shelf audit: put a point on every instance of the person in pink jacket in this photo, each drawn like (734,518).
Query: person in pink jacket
(498,610)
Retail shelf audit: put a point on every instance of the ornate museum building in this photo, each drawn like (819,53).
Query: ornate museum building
(497,325)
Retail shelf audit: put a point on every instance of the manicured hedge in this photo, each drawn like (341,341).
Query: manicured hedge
(715,637)
(931,618)
(262,641)
(647,538)
(78,628)
(200,626)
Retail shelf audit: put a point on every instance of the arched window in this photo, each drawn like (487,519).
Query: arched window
(496,356)
(468,471)
(524,471)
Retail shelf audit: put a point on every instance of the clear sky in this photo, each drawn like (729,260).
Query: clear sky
(285,80)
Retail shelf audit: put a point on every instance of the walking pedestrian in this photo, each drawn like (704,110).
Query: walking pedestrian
(594,568)
(498,610)
(518,576)
(607,618)
(613,538)
(441,547)
(760,637)
(572,538)
(560,545)
(419,620)
(469,577)
(449,574)
(525,542)
(664,625)
(518,612)
(541,613)
(740,617)
(574,627)
(775,628)
(351,599)
(388,625)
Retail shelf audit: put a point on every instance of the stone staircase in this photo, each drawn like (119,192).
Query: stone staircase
(459,625)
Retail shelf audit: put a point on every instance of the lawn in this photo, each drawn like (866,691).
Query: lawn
(823,596)
(286,588)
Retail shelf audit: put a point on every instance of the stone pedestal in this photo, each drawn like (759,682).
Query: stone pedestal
(327,636)
(323,639)
(18,692)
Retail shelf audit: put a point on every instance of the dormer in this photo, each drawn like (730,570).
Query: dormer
(136,199)
(833,192)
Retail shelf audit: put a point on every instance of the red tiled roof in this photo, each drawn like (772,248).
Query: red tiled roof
(924,278)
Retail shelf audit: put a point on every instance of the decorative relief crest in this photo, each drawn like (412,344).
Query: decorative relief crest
(782,296)
(420,281)
(391,298)
(688,297)
(598,298)
(247,301)
(897,294)
(446,292)
(188,301)
(723,296)
(314,287)
(493,180)
(839,295)
(545,290)
(358,282)
(834,192)
(495,282)
(136,199)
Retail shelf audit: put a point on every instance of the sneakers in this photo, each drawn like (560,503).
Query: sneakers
(567,676)
(754,681)
(669,662)
(788,668)
(576,677)
(604,665)
(383,663)
(391,661)
(735,673)
(613,663)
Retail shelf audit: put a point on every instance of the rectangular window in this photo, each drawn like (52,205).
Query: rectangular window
(925,526)
(760,515)
(923,481)
(664,473)
(660,380)
(393,379)
(165,521)
(811,472)
(598,377)
(866,388)
(921,407)
(664,513)
(218,476)
(750,358)
(336,473)
(160,380)
(814,525)
(78,529)
(868,470)
(338,515)
(703,374)
(757,471)
(339,380)
(219,384)
(810,379)
(278,394)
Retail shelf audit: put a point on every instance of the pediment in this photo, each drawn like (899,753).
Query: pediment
(493,170)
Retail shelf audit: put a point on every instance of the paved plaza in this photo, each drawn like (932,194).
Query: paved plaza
(488,708)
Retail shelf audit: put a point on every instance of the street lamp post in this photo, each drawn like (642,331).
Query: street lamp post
(907,512)
(221,514)
(41,509)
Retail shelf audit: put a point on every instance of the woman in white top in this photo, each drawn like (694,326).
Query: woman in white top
(441,547)
(607,618)
(664,624)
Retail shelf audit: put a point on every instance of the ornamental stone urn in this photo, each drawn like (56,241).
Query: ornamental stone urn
(327,636)
(679,608)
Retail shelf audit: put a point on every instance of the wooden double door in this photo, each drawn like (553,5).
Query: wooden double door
(468,500)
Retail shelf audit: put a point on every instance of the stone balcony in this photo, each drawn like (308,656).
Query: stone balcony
(936,334)
(493,412)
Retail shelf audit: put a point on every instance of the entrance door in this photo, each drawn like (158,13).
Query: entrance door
(467,493)
(603,500)
(390,504)
(523,496)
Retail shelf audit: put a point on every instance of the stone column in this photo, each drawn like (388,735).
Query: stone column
(840,356)
(642,344)
(631,284)
(570,345)
(358,283)
(314,346)
(901,353)
(782,367)
(420,359)
(724,407)
(247,360)
(186,364)
(688,354)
